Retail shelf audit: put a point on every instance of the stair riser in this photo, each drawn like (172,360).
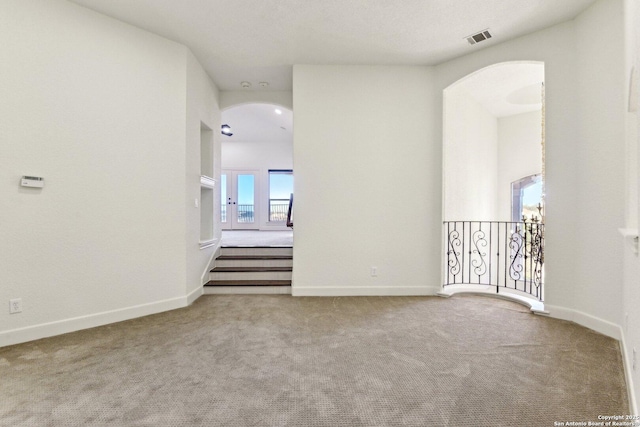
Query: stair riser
(254,263)
(251,275)
(256,251)
(260,290)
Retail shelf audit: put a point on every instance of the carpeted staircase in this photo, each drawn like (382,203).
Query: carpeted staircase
(239,269)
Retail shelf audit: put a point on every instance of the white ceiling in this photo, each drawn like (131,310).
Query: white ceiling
(260,40)
(258,123)
(505,89)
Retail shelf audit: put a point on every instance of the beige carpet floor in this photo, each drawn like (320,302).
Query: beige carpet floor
(282,361)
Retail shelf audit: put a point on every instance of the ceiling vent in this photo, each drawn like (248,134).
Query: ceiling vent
(479,37)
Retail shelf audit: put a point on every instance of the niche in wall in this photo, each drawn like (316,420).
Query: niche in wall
(206,151)
(207,185)
(206,214)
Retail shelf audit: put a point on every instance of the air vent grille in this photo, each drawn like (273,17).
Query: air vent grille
(479,37)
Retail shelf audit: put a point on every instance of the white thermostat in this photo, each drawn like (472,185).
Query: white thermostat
(32,181)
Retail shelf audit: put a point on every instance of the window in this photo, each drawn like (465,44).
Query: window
(280,189)
(526,194)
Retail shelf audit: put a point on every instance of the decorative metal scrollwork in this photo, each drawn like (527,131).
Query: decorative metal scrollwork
(536,249)
(454,263)
(496,253)
(478,262)
(517,246)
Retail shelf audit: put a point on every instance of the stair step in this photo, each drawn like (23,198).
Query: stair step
(258,247)
(251,261)
(256,251)
(248,283)
(251,273)
(248,269)
(256,257)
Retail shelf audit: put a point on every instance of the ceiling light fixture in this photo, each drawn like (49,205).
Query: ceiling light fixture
(278,111)
(226,130)
(264,84)
(245,85)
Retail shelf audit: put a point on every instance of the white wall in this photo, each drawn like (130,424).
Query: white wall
(600,197)
(632,62)
(260,156)
(367,180)
(202,108)
(97,108)
(519,155)
(631,288)
(585,148)
(470,159)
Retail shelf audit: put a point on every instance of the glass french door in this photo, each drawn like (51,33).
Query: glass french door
(238,199)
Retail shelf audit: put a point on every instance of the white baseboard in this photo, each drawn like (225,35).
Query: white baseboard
(59,327)
(628,370)
(194,295)
(534,305)
(328,291)
(599,325)
(247,290)
(606,328)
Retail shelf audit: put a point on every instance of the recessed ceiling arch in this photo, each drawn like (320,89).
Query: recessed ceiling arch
(504,88)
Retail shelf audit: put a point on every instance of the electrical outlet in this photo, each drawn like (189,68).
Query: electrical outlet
(374,271)
(15,306)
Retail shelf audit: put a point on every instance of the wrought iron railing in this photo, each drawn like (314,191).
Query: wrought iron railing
(278,209)
(501,254)
(245,213)
(290,212)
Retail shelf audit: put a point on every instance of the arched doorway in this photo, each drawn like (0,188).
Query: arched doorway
(493,142)
(256,167)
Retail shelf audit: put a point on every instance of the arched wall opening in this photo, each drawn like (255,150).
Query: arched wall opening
(256,166)
(493,170)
